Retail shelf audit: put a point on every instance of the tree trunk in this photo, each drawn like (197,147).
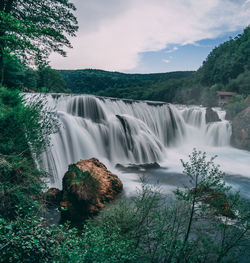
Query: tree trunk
(191,217)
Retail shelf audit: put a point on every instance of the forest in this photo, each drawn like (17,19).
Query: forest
(120,85)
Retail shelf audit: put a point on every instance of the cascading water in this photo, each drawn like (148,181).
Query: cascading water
(123,131)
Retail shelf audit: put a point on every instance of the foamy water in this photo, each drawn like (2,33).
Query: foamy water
(117,131)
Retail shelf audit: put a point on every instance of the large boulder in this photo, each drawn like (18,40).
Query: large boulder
(211,115)
(241,130)
(87,185)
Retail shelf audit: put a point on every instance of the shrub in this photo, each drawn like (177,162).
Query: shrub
(237,105)
(24,134)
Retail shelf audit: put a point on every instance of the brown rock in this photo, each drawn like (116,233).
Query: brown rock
(86,187)
(241,130)
(53,196)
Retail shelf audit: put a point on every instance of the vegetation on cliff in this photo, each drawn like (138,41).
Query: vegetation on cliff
(241,130)
(18,75)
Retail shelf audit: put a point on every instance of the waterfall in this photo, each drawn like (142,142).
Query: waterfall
(124,131)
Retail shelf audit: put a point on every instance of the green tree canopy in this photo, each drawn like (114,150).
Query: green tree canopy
(50,80)
(227,61)
(32,29)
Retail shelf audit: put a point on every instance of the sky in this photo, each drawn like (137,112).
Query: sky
(149,36)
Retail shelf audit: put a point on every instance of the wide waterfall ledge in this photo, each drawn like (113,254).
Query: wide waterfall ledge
(135,132)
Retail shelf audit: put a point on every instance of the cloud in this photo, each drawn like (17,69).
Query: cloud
(172,50)
(166,60)
(113,33)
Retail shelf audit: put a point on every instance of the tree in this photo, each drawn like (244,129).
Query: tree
(201,175)
(14,72)
(222,215)
(31,79)
(32,29)
(50,80)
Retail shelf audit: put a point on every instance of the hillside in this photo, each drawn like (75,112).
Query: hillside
(227,68)
(115,84)
(227,61)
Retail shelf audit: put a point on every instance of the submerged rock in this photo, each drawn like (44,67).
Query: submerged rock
(241,130)
(137,167)
(211,115)
(86,187)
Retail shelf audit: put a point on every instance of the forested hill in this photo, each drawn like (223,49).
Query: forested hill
(227,68)
(115,84)
(227,62)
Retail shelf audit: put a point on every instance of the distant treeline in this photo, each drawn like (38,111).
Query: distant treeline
(121,85)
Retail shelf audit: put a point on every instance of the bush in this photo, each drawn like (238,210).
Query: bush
(189,229)
(25,240)
(24,131)
(241,84)
(237,105)
(145,228)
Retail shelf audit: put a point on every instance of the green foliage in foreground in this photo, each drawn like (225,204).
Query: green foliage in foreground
(24,131)
(145,228)
(24,125)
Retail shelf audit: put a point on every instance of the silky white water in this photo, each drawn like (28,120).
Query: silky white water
(122,131)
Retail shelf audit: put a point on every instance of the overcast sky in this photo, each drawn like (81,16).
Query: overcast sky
(151,35)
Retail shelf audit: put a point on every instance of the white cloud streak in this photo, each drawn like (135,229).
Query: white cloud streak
(114,32)
(172,50)
(166,60)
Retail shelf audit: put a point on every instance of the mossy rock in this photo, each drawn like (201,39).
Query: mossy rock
(87,185)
